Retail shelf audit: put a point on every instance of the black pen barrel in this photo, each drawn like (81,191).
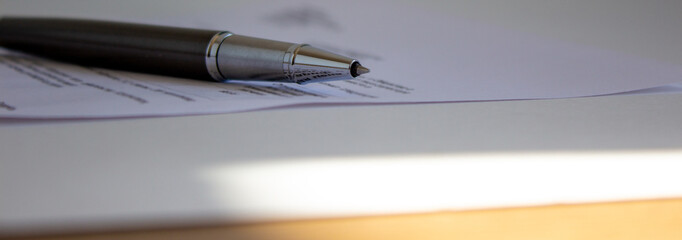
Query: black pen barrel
(162,50)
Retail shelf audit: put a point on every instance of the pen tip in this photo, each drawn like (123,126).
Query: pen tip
(357,69)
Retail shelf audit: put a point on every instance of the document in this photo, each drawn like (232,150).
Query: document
(415,55)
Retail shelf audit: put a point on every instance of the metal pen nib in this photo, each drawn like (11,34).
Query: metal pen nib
(357,70)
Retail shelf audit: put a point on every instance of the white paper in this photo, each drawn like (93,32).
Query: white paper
(415,56)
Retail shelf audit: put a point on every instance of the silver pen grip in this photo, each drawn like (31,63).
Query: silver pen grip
(242,57)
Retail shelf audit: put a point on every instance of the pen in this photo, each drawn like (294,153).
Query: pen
(173,51)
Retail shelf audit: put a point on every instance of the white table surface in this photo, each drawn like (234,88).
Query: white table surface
(151,158)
